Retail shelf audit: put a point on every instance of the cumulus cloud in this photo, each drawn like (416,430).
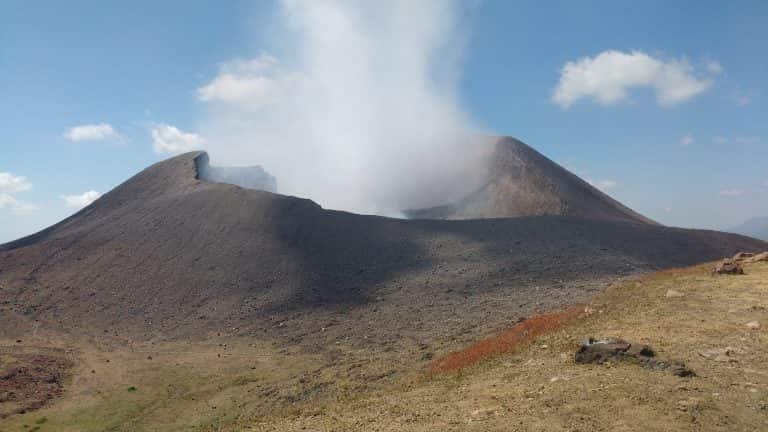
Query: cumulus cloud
(256,82)
(360,113)
(10,185)
(91,132)
(82,200)
(608,77)
(167,139)
(732,192)
(686,140)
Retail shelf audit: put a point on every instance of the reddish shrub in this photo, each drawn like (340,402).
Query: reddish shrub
(509,340)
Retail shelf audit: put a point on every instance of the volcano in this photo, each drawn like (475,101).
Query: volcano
(523,182)
(169,253)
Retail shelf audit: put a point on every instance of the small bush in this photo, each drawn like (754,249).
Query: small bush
(132,389)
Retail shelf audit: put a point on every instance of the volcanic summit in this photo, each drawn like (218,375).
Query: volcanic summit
(523,182)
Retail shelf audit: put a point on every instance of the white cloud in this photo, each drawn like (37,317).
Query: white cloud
(257,82)
(603,185)
(714,67)
(608,77)
(765,183)
(167,139)
(92,132)
(82,200)
(732,192)
(10,185)
(687,140)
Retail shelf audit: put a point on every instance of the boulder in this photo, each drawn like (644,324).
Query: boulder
(614,349)
(741,256)
(729,267)
(763,256)
(610,349)
(719,354)
(674,294)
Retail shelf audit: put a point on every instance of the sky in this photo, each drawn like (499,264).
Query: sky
(662,106)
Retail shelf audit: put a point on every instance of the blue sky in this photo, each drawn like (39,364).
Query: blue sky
(135,67)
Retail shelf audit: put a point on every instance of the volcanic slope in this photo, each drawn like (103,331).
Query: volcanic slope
(167,255)
(523,182)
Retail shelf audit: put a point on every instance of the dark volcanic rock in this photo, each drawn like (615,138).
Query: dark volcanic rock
(616,350)
(611,349)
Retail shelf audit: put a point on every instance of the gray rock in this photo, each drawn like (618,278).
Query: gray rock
(615,350)
(729,267)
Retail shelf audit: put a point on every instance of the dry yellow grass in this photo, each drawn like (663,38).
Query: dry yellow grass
(540,388)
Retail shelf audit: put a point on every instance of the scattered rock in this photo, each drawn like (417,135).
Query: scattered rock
(690,404)
(754,325)
(674,294)
(604,350)
(741,256)
(722,355)
(763,256)
(614,349)
(728,267)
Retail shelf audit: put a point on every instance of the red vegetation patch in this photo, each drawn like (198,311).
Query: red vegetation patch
(518,335)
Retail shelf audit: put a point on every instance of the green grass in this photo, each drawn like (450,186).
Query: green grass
(170,397)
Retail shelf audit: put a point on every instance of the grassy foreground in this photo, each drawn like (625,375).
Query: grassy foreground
(683,314)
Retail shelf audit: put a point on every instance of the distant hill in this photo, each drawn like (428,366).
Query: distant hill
(755,227)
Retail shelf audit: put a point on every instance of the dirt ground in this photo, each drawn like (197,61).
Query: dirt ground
(540,388)
(233,384)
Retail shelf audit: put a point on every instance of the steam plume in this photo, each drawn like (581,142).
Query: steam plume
(360,114)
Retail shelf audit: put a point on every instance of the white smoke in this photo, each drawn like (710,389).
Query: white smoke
(360,114)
